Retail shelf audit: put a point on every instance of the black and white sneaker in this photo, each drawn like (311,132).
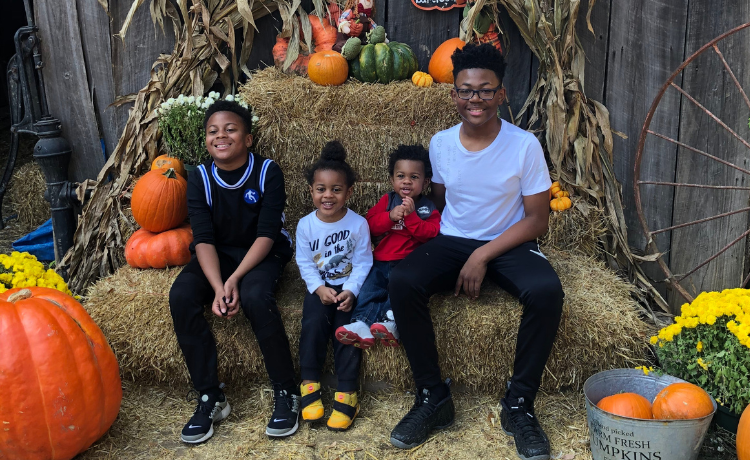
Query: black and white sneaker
(517,419)
(285,418)
(423,417)
(210,409)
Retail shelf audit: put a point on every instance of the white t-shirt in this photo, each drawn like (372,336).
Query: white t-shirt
(485,189)
(335,253)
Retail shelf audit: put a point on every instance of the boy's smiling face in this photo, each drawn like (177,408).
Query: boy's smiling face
(408,178)
(227,140)
(477,111)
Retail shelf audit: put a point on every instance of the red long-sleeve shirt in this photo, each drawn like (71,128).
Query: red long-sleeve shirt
(400,238)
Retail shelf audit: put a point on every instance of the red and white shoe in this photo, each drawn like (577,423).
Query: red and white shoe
(386,332)
(356,334)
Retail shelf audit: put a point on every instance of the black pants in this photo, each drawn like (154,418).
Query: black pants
(523,272)
(190,294)
(319,323)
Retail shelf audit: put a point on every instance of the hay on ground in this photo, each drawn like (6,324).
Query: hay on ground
(26,196)
(600,330)
(297,117)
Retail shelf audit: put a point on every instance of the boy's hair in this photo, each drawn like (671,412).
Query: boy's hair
(484,56)
(332,158)
(410,152)
(230,106)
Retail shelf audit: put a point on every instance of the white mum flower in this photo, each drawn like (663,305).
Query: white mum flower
(190,99)
(180,99)
(255,119)
(214,95)
(170,101)
(229,98)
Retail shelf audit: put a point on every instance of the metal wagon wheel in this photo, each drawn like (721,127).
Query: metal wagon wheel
(679,281)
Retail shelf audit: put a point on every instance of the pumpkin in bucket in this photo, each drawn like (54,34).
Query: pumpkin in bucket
(59,376)
(681,401)
(627,405)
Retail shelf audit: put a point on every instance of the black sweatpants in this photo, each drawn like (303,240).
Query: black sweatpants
(191,293)
(523,272)
(319,324)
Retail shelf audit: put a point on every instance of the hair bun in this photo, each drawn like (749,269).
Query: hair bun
(333,151)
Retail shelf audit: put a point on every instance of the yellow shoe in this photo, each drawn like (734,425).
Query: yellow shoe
(312,406)
(345,409)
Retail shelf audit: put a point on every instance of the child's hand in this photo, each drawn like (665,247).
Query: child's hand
(347,300)
(327,295)
(408,205)
(397,213)
(232,296)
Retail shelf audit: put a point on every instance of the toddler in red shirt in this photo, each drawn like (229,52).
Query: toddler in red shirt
(402,220)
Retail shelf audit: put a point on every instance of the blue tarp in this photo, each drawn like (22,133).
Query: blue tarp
(39,243)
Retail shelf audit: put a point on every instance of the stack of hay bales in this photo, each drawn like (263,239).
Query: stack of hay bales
(600,330)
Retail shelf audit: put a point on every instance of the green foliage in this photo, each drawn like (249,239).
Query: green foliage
(181,124)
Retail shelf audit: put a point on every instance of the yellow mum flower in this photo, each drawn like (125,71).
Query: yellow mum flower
(654,339)
(702,364)
(699,346)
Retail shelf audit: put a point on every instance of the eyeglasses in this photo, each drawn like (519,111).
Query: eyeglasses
(484,94)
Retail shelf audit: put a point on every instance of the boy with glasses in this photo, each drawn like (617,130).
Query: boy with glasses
(491,182)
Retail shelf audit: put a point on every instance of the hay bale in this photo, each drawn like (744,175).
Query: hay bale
(26,196)
(600,330)
(297,117)
(577,229)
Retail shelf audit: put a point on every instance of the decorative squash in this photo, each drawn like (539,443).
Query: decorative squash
(159,250)
(561,194)
(323,39)
(680,401)
(560,204)
(554,189)
(376,35)
(351,48)
(384,63)
(743,436)
(59,376)
(165,161)
(328,68)
(422,79)
(630,405)
(159,200)
(441,66)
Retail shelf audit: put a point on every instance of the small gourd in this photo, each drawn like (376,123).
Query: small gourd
(422,79)
(560,204)
(376,35)
(351,48)
(554,189)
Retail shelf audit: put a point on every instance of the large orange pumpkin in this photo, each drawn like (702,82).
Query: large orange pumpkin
(159,200)
(680,401)
(323,39)
(59,378)
(328,68)
(441,66)
(630,405)
(743,436)
(165,161)
(159,250)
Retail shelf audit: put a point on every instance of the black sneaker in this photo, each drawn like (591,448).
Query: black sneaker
(210,409)
(518,420)
(423,417)
(285,418)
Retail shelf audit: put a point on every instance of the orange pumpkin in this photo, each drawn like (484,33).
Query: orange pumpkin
(159,250)
(560,204)
(441,66)
(743,436)
(159,200)
(328,68)
(165,161)
(630,405)
(59,377)
(680,401)
(323,39)
(421,79)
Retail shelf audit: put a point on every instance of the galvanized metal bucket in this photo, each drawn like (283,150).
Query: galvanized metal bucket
(624,438)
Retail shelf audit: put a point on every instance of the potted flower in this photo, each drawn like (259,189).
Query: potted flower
(181,124)
(709,345)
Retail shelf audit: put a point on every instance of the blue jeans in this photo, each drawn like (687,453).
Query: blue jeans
(373,301)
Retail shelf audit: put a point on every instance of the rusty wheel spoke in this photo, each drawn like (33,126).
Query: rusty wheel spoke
(731,74)
(739,238)
(693,149)
(681,184)
(700,221)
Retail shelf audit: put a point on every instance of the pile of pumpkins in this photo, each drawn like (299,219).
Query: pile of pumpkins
(159,206)
(678,401)
(559,198)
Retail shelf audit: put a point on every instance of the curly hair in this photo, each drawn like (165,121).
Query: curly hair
(410,152)
(332,158)
(484,56)
(230,106)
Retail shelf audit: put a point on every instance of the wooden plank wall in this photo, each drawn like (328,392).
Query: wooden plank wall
(635,46)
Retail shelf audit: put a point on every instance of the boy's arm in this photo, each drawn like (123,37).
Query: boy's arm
(378,218)
(209,262)
(533,225)
(437,195)
(423,230)
(304,257)
(361,261)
